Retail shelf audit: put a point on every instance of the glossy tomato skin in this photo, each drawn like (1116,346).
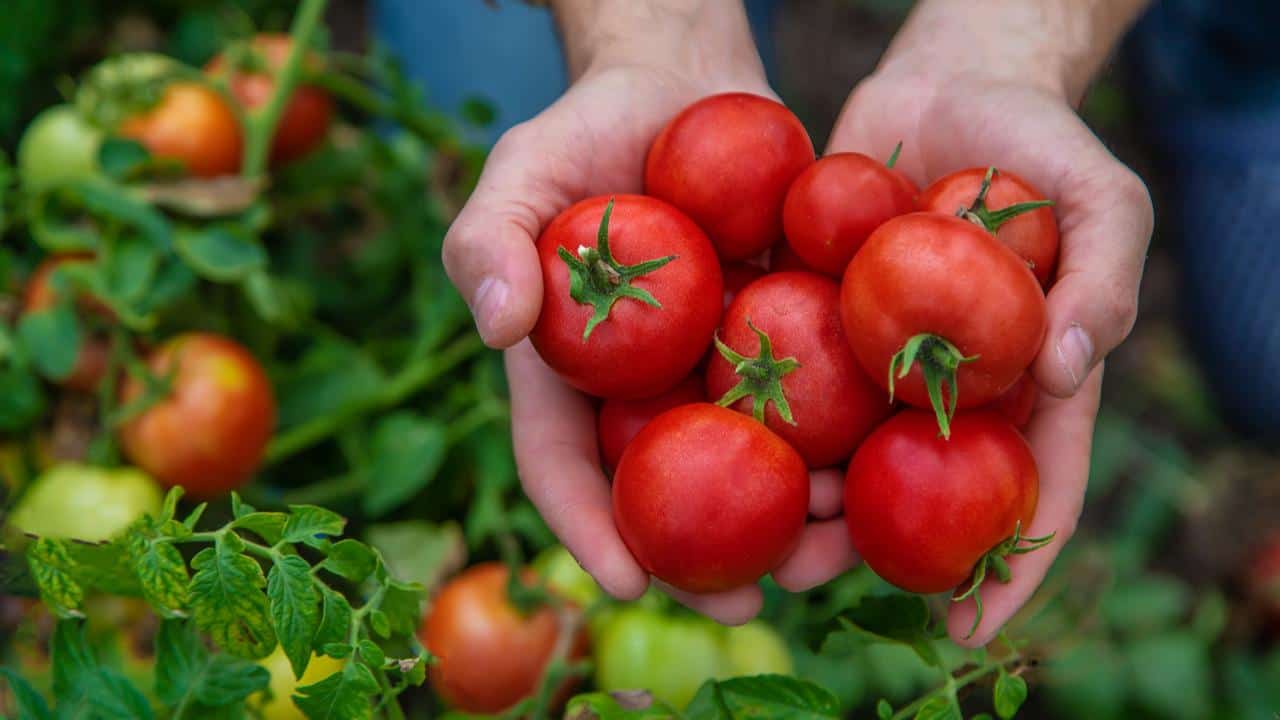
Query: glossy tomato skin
(922,510)
(95,350)
(58,146)
(932,273)
(307,115)
(727,161)
(1018,402)
(708,499)
(489,656)
(620,420)
(834,205)
(783,259)
(210,432)
(833,402)
(85,502)
(640,350)
(192,124)
(1032,235)
(737,276)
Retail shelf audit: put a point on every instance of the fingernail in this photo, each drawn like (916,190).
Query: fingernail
(1075,352)
(488,303)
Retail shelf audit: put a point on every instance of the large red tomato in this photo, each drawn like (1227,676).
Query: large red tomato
(923,512)
(209,433)
(836,203)
(620,420)
(727,161)
(630,317)
(708,499)
(95,350)
(488,655)
(309,111)
(806,385)
(193,125)
(1008,206)
(939,299)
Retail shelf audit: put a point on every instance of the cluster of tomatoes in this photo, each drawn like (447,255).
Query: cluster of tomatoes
(892,333)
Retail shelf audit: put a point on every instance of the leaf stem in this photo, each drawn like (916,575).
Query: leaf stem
(952,685)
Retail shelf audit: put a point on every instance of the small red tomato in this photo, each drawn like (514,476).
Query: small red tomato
(208,434)
(306,117)
(1004,204)
(632,316)
(785,360)
(1018,402)
(923,512)
(836,203)
(620,420)
(727,161)
(940,313)
(708,499)
(1264,579)
(737,276)
(193,125)
(783,259)
(95,350)
(488,655)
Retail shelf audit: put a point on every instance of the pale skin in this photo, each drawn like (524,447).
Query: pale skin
(964,84)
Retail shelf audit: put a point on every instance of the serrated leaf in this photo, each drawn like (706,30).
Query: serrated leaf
(31,705)
(897,618)
(762,696)
(344,695)
(624,705)
(371,653)
(240,508)
(407,454)
(267,525)
(380,624)
(227,600)
(308,521)
(79,681)
(53,569)
(186,670)
(294,608)
(335,619)
(1009,694)
(350,559)
(105,567)
(52,338)
(939,708)
(221,253)
(415,551)
(193,517)
(160,570)
(402,605)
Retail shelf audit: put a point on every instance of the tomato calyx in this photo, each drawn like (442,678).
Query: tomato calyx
(990,220)
(598,280)
(994,561)
(128,85)
(939,360)
(761,377)
(893,157)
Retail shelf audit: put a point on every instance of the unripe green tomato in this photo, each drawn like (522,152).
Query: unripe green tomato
(671,657)
(756,649)
(565,576)
(283,684)
(58,146)
(85,502)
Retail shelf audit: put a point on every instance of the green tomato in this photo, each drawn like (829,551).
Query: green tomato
(756,649)
(58,146)
(671,657)
(85,502)
(279,705)
(565,576)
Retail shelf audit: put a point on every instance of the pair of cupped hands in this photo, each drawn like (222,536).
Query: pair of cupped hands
(948,116)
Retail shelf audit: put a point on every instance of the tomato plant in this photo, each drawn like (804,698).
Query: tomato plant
(940,313)
(784,360)
(631,295)
(192,124)
(708,499)
(620,420)
(59,146)
(85,502)
(92,357)
(727,161)
(276,702)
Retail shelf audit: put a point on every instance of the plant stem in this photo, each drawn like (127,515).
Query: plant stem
(952,685)
(433,130)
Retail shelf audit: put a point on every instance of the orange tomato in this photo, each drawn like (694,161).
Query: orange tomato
(192,124)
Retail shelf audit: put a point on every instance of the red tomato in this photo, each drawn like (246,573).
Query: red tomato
(1032,234)
(835,204)
(1018,402)
(708,499)
(634,327)
(947,288)
(828,396)
(923,511)
(1264,578)
(193,125)
(209,433)
(737,276)
(783,259)
(306,117)
(489,655)
(727,161)
(620,420)
(95,350)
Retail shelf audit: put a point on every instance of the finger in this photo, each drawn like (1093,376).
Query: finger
(732,607)
(1060,433)
(553,428)
(823,553)
(826,493)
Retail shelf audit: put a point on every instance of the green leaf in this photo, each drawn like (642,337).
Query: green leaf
(53,568)
(335,619)
(407,453)
(477,112)
(227,600)
(1087,681)
(624,705)
(87,688)
(52,339)
(1009,694)
(294,608)
(31,706)
(380,623)
(762,696)
(281,303)
(402,606)
(371,653)
(193,517)
(939,708)
(114,202)
(122,158)
(105,567)
(221,253)
(127,273)
(331,374)
(160,569)
(306,522)
(21,399)
(350,559)
(897,618)
(337,650)
(1171,675)
(346,695)
(884,710)
(419,552)
(186,670)
(171,281)
(1146,603)
(267,525)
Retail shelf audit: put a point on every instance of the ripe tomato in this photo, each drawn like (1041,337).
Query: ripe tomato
(1018,402)
(489,656)
(85,502)
(191,124)
(620,420)
(209,433)
(283,684)
(306,117)
(836,203)
(727,161)
(806,387)
(1263,580)
(1028,230)
(631,317)
(923,511)
(783,259)
(737,276)
(708,499)
(57,147)
(95,350)
(942,291)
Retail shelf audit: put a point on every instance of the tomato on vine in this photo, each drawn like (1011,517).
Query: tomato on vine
(192,124)
(84,502)
(40,294)
(58,146)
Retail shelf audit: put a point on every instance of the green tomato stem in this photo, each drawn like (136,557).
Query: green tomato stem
(952,685)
